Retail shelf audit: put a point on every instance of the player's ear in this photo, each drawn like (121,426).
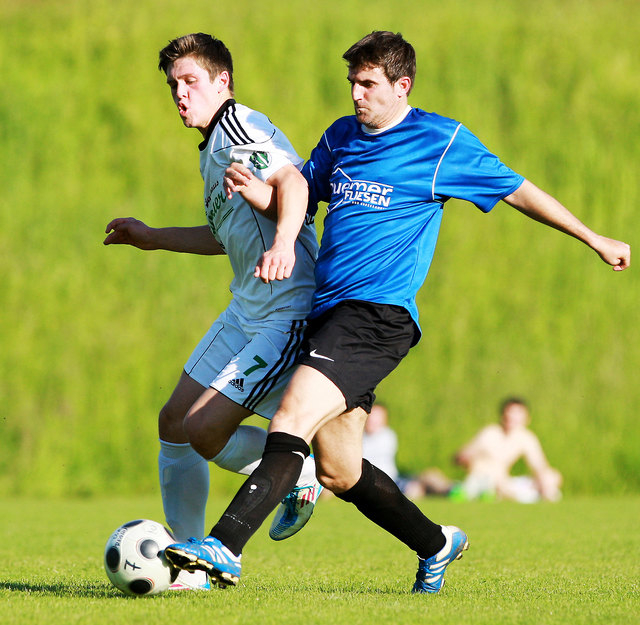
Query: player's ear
(222,80)
(403,86)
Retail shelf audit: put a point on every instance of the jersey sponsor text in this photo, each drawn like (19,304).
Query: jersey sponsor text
(360,192)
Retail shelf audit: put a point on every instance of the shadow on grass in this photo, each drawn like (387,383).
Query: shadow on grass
(94,590)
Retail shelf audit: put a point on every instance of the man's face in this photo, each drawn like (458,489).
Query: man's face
(376,101)
(514,417)
(196,96)
(376,420)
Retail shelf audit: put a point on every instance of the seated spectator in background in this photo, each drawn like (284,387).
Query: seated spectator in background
(380,442)
(491,454)
(380,446)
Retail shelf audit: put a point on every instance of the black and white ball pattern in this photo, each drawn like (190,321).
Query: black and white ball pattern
(134,558)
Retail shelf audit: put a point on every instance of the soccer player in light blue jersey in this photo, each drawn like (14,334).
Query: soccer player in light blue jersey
(386,173)
(243,363)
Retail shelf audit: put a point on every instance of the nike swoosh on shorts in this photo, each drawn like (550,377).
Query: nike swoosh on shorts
(313,354)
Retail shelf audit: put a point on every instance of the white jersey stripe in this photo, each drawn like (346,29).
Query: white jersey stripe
(435,175)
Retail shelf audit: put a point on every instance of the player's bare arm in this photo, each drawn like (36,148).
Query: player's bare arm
(540,206)
(469,453)
(262,197)
(534,455)
(292,195)
(131,231)
(283,198)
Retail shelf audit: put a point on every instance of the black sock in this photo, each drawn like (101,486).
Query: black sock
(378,497)
(272,480)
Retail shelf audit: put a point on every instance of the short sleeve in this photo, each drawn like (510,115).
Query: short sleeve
(267,149)
(317,172)
(467,170)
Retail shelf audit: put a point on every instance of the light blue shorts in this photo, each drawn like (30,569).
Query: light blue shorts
(249,362)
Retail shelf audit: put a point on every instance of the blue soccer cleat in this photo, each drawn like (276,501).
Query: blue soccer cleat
(208,554)
(430,575)
(294,511)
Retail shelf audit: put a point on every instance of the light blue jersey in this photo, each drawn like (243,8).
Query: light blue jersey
(240,134)
(386,193)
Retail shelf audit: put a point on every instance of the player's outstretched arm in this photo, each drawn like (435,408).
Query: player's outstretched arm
(542,207)
(131,231)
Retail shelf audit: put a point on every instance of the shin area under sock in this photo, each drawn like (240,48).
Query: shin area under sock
(184,485)
(263,490)
(378,497)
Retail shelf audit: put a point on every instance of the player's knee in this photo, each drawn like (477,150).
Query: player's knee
(169,422)
(297,423)
(335,482)
(282,420)
(195,431)
(166,415)
(205,438)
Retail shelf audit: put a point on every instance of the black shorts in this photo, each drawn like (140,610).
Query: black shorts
(356,345)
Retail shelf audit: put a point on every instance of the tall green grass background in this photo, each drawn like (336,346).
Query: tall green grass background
(92,339)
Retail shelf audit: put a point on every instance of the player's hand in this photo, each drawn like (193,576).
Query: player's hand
(129,231)
(237,178)
(276,263)
(615,253)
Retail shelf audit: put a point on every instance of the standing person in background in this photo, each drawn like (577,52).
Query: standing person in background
(386,173)
(243,363)
(490,455)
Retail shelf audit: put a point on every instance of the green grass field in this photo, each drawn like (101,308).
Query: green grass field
(571,563)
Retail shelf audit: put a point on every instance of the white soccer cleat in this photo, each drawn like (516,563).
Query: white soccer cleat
(188,580)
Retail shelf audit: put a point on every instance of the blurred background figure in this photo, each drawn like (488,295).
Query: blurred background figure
(489,457)
(380,446)
(488,460)
(380,442)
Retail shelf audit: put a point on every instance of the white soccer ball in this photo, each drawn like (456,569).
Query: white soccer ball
(134,558)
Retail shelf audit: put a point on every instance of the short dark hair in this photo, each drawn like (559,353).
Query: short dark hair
(386,50)
(208,51)
(508,401)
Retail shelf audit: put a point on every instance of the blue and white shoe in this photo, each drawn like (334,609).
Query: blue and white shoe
(430,575)
(208,554)
(294,511)
(191,580)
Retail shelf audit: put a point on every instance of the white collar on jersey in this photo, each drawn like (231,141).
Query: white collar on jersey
(395,122)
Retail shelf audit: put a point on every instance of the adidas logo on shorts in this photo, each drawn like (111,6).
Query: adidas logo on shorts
(238,383)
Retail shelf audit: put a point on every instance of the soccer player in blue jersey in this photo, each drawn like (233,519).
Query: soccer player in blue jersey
(386,173)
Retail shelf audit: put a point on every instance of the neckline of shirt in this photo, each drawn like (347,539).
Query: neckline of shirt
(214,121)
(395,122)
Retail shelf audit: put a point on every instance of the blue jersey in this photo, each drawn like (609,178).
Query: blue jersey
(385,195)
